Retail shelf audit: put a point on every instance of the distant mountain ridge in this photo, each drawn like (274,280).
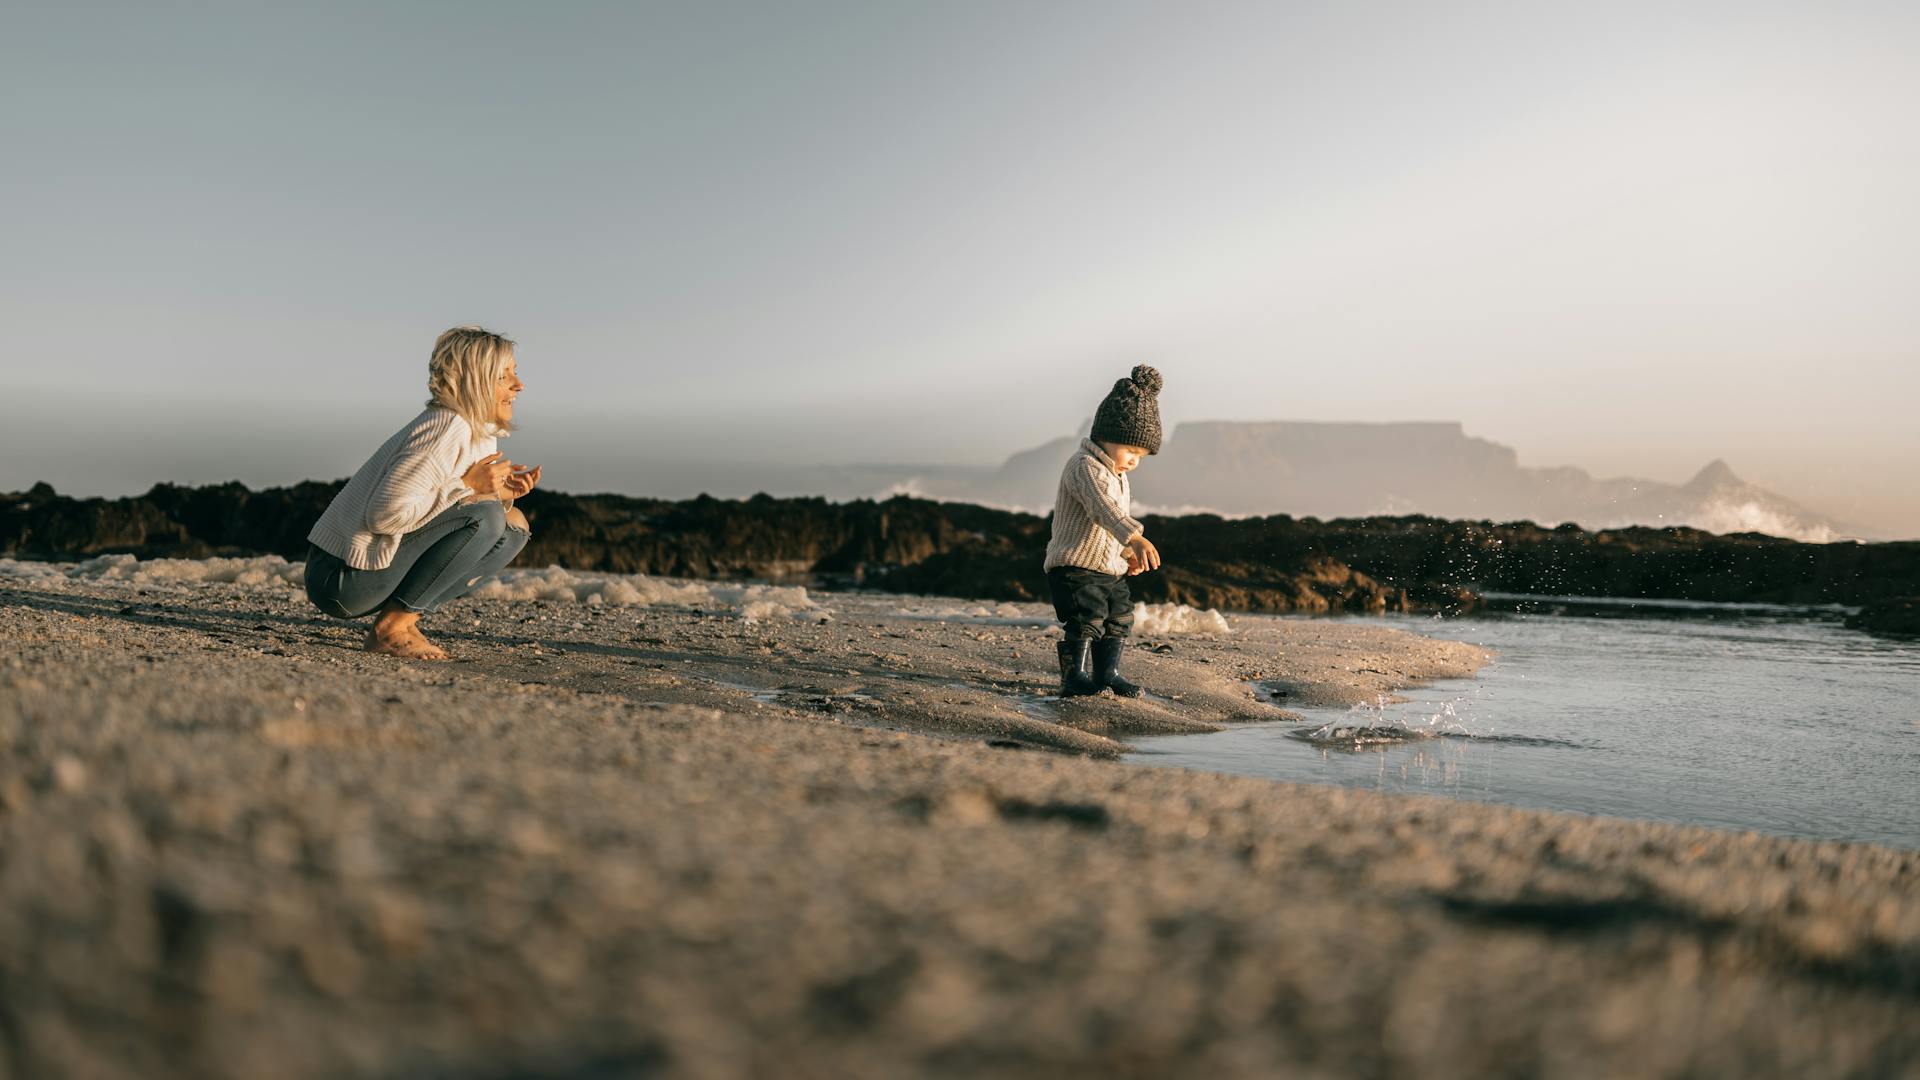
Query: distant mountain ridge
(1303,468)
(1361,469)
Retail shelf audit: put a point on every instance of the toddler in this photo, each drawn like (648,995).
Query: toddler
(1096,543)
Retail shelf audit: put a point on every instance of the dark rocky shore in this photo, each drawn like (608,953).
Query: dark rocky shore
(1271,564)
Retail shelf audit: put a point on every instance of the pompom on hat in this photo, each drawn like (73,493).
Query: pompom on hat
(1130,413)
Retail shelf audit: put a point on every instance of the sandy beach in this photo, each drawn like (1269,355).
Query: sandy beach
(711,831)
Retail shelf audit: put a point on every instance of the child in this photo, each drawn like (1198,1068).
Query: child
(1096,543)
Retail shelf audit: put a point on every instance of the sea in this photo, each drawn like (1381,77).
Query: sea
(1770,720)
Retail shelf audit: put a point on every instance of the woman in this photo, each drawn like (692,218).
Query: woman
(430,515)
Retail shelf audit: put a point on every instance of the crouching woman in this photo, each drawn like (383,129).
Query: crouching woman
(430,515)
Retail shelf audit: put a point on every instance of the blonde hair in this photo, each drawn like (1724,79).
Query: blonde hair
(466,366)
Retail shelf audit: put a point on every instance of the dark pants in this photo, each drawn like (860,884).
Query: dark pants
(1090,604)
(440,560)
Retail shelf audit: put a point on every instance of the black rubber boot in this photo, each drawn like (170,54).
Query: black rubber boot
(1106,667)
(1076,668)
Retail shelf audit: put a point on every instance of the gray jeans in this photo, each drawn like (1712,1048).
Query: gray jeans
(1090,604)
(445,558)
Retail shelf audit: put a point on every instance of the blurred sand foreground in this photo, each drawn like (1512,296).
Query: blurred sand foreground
(628,841)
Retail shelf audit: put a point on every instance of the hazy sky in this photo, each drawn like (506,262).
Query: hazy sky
(1629,237)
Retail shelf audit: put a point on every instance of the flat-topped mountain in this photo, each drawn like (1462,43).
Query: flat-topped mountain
(1437,469)
(1302,468)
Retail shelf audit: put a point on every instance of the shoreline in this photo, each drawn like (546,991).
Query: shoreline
(649,839)
(930,665)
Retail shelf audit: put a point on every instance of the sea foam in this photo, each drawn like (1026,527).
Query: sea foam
(1160,620)
(257,570)
(1152,620)
(754,603)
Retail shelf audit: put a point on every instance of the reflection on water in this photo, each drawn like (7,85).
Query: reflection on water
(1783,724)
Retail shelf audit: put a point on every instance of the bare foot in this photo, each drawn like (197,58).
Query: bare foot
(429,651)
(408,645)
(397,633)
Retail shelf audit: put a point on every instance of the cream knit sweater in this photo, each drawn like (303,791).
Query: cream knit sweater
(412,477)
(1092,514)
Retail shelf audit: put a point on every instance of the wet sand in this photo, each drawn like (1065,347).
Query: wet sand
(637,841)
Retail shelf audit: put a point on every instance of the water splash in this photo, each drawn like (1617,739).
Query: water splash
(1375,726)
(1370,724)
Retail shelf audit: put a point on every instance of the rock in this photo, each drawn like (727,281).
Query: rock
(69,773)
(1276,563)
(1896,616)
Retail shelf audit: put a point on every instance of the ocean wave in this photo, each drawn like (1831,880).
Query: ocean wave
(1735,515)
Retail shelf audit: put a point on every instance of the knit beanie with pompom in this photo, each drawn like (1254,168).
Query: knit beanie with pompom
(1130,414)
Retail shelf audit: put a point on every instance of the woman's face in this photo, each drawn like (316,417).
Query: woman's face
(504,391)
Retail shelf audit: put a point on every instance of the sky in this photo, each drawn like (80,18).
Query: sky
(1627,237)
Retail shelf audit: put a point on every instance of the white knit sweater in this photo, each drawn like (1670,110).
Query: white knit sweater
(412,477)
(1092,514)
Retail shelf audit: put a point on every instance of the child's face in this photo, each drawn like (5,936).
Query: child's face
(1125,458)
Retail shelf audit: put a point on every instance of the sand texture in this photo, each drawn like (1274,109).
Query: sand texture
(629,841)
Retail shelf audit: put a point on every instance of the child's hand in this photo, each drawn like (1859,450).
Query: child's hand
(1141,556)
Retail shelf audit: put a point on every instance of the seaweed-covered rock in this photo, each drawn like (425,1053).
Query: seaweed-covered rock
(1900,615)
(1277,563)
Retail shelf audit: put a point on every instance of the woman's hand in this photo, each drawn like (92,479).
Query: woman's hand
(1141,555)
(488,475)
(519,483)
